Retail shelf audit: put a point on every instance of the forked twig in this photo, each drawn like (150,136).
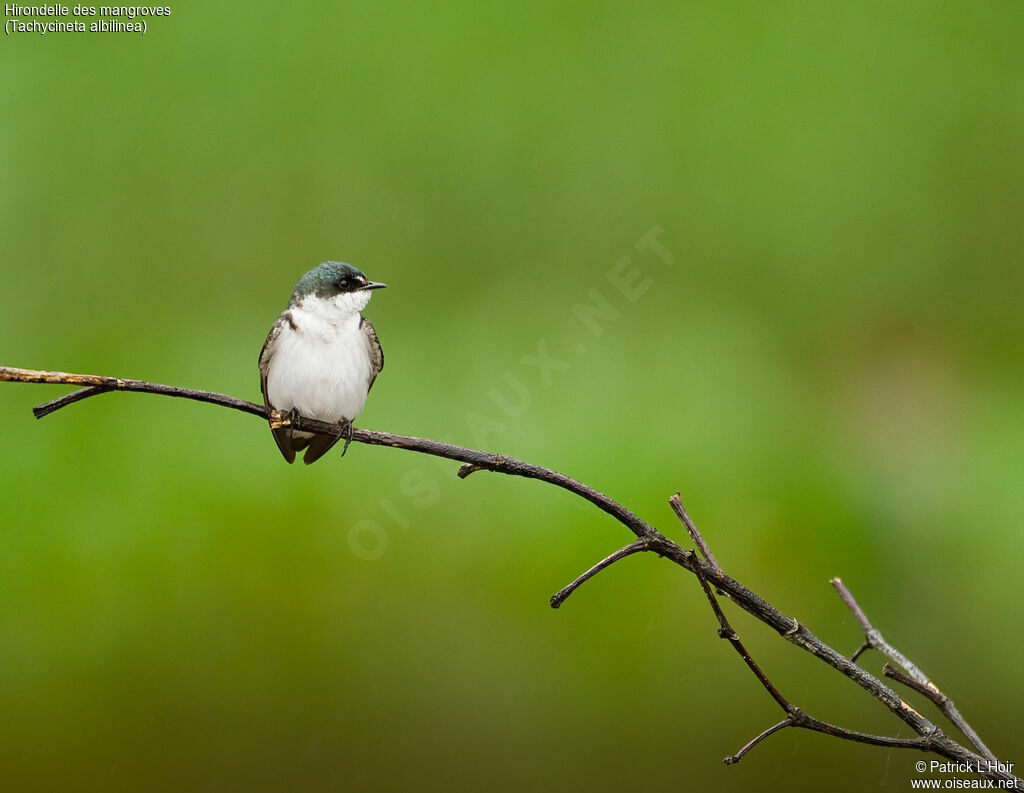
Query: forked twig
(914,677)
(794,716)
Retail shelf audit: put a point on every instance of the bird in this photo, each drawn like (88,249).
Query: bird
(320,359)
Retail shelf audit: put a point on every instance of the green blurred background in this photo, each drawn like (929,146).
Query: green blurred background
(831,371)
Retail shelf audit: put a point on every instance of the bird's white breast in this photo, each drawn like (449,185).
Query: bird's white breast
(321,365)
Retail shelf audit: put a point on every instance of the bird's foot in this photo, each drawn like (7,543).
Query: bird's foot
(346,433)
(293,416)
(279,419)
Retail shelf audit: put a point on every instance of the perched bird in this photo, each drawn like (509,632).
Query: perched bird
(320,358)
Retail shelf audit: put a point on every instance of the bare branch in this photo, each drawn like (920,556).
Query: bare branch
(711,577)
(634,547)
(677,505)
(794,716)
(914,678)
(932,693)
(480,460)
(872,638)
(860,651)
(735,758)
(725,631)
(75,396)
(797,718)
(945,704)
(922,742)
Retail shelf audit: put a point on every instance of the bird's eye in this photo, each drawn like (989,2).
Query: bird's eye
(343,283)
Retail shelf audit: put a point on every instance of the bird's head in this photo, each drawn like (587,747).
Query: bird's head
(338,282)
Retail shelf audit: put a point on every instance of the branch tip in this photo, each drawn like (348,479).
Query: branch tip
(677,505)
(628,550)
(735,758)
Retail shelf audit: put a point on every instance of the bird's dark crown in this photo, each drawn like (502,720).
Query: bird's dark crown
(330,279)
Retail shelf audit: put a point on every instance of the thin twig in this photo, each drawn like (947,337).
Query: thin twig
(75,396)
(636,546)
(945,704)
(860,651)
(797,718)
(794,716)
(932,693)
(680,510)
(735,758)
(872,637)
(925,743)
(930,737)
(915,678)
(725,631)
(466,469)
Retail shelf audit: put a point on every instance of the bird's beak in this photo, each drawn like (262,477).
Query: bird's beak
(374,285)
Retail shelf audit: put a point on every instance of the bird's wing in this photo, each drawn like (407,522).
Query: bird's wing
(374,348)
(282,435)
